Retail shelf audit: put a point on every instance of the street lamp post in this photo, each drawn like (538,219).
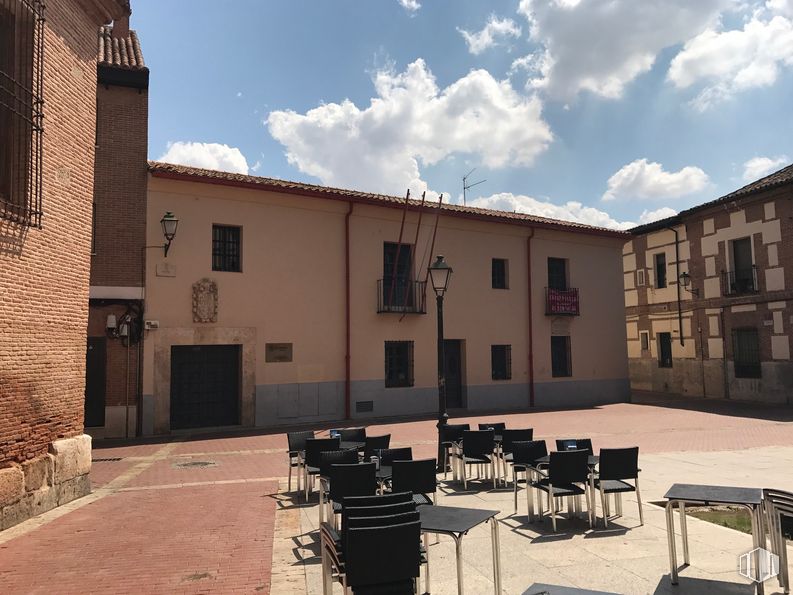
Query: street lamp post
(439,273)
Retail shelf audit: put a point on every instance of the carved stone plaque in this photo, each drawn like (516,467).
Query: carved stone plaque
(205,301)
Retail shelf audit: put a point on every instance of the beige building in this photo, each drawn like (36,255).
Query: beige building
(283,303)
(708,297)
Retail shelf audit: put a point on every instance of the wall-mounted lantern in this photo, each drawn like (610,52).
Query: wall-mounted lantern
(685,281)
(169,225)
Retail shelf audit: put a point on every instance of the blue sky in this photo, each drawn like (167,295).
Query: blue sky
(606,112)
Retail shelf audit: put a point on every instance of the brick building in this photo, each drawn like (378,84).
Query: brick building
(117,259)
(47,123)
(708,296)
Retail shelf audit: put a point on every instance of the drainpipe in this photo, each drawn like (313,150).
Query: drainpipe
(677,269)
(530,345)
(347,381)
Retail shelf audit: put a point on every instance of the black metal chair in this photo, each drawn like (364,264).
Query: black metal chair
(508,437)
(478,449)
(568,471)
(347,480)
(451,436)
(389,455)
(524,458)
(493,425)
(383,559)
(327,459)
(314,446)
(417,477)
(575,444)
(778,508)
(615,466)
(353,435)
(297,444)
(373,444)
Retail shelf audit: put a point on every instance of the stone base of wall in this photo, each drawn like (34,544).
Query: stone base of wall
(41,484)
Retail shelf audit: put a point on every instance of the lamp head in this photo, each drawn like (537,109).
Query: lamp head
(440,273)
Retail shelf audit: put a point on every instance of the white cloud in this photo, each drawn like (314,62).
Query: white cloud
(783,7)
(206,155)
(410,5)
(759,167)
(728,62)
(239,93)
(255,167)
(410,122)
(495,30)
(642,179)
(656,215)
(602,45)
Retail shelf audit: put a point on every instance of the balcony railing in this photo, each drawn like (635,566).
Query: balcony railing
(740,281)
(403,296)
(561,302)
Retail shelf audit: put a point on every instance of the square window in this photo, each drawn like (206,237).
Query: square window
(226,248)
(746,353)
(664,350)
(501,362)
(398,363)
(644,337)
(660,270)
(500,272)
(561,364)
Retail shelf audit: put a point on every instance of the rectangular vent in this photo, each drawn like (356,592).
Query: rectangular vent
(364,406)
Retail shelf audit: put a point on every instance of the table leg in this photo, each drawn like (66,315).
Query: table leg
(684,532)
(758,541)
(496,555)
(458,547)
(670,538)
(427,570)
(321,501)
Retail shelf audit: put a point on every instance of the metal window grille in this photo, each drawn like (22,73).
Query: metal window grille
(226,248)
(746,353)
(499,270)
(21,110)
(561,364)
(398,363)
(501,362)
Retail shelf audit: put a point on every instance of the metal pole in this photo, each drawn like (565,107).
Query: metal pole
(443,417)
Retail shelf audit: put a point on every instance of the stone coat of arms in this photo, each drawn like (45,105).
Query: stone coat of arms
(205,301)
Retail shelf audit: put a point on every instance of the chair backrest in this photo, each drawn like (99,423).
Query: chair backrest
(297,440)
(508,437)
(414,476)
(584,444)
(335,457)
(493,425)
(780,503)
(378,500)
(352,434)
(454,432)
(527,453)
(349,513)
(478,443)
(389,455)
(372,444)
(619,463)
(566,444)
(314,446)
(357,479)
(569,466)
(382,555)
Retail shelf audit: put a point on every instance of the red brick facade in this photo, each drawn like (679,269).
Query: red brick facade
(44,273)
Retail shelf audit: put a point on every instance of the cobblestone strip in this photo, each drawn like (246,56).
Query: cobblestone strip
(288,569)
(99,493)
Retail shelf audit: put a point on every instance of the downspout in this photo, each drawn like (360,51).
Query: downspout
(347,376)
(677,283)
(530,345)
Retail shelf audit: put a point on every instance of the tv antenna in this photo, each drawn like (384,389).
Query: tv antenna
(466,185)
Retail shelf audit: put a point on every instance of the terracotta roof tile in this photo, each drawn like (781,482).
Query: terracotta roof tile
(119,52)
(168,170)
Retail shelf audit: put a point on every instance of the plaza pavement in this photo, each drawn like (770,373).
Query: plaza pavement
(209,513)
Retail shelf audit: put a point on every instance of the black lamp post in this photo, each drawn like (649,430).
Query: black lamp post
(440,272)
(169,224)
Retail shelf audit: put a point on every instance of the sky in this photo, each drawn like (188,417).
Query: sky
(606,112)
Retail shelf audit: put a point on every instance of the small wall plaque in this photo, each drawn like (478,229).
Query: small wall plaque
(278,352)
(166,269)
(205,301)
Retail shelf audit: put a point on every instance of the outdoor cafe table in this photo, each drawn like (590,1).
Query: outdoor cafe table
(705,495)
(350,445)
(592,460)
(456,522)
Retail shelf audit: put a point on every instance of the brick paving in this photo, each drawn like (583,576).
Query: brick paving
(155,528)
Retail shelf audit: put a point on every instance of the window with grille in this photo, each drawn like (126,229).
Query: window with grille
(226,248)
(500,274)
(501,362)
(561,364)
(664,350)
(398,363)
(21,110)
(746,353)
